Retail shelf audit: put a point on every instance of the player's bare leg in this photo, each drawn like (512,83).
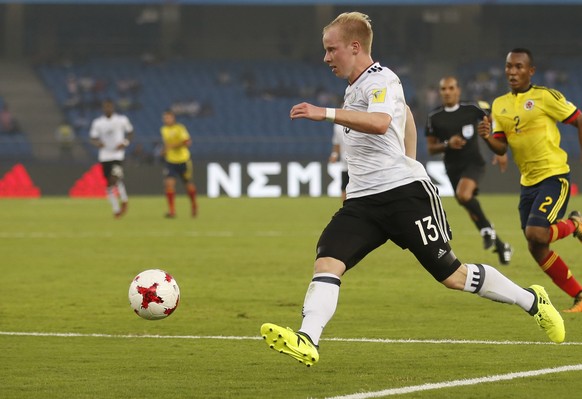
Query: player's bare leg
(191,189)
(170,190)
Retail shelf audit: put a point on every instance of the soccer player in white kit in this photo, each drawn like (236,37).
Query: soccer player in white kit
(389,197)
(111,133)
(339,155)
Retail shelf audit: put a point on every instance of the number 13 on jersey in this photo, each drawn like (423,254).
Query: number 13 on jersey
(427,229)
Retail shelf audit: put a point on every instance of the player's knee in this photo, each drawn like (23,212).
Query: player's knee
(456,279)
(453,282)
(463,197)
(537,236)
(329,265)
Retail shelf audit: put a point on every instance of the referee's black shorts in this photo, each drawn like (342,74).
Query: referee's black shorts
(473,171)
(411,215)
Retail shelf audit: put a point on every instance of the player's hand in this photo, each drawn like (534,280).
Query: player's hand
(484,128)
(500,160)
(307,111)
(123,145)
(457,142)
(334,157)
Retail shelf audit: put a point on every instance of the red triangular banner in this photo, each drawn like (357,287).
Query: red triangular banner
(91,185)
(17,183)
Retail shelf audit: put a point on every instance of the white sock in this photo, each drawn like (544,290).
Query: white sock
(113,199)
(489,283)
(122,191)
(320,304)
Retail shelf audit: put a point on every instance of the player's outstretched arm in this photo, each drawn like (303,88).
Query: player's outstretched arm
(307,111)
(365,122)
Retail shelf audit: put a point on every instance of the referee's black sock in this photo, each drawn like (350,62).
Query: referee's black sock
(474,208)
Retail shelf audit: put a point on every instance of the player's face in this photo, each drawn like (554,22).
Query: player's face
(108,108)
(518,71)
(450,92)
(338,54)
(169,119)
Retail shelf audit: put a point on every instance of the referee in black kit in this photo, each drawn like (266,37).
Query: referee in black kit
(452,129)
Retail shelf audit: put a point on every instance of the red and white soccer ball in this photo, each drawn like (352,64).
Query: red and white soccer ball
(154,294)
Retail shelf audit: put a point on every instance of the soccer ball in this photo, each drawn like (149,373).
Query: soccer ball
(154,294)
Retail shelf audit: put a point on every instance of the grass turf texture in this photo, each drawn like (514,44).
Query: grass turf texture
(67,264)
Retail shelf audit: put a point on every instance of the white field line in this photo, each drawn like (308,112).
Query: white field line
(459,383)
(154,234)
(362,395)
(243,338)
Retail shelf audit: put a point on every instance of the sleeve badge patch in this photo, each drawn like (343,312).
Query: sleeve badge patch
(378,95)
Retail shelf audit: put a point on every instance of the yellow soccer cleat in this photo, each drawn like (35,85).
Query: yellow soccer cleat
(287,341)
(546,315)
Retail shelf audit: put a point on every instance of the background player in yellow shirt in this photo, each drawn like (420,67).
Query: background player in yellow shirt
(526,120)
(176,141)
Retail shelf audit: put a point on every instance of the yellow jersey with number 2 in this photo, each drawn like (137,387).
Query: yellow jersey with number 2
(528,122)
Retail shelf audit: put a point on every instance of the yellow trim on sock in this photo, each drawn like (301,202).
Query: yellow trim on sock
(549,262)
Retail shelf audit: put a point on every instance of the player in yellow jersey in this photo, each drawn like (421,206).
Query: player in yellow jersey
(525,119)
(176,141)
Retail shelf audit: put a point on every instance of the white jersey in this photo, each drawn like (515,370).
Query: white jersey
(377,162)
(111,131)
(338,139)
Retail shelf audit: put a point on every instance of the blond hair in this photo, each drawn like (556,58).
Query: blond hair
(354,26)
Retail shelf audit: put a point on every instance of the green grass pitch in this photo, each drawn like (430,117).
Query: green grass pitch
(66,266)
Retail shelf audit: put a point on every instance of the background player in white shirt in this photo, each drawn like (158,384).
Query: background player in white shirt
(339,155)
(111,133)
(389,197)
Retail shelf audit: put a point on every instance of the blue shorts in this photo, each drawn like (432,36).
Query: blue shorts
(183,170)
(544,203)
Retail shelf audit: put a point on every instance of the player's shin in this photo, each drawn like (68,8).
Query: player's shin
(320,304)
(112,198)
(560,273)
(122,191)
(489,283)
(170,197)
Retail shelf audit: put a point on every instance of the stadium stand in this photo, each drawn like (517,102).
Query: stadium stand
(13,142)
(232,109)
(239,109)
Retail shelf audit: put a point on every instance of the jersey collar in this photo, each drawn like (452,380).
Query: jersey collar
(365,70)
(453,108)
(522,92)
